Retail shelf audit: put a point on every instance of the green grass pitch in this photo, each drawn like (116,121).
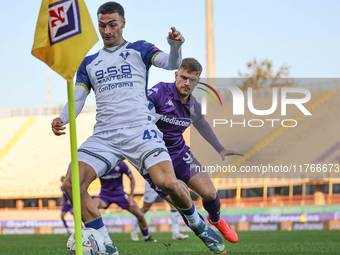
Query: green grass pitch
(259,242)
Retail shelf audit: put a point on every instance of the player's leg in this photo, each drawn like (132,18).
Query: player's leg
(168,199)
(203,186)
(134,236)
(135,210)
(86,176)
(151,193)
(89,211)
(146,207)
(149,198)
(164,177)
(153,160)
(175,216)
(100,203)
(62,216)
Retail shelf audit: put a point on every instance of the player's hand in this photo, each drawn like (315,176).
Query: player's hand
(131,200)
(57,127)
(225,153)
(176,35)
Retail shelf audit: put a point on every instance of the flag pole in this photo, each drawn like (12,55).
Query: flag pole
(75,168)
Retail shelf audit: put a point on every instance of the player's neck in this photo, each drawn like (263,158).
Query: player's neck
(121,41)
(184,99)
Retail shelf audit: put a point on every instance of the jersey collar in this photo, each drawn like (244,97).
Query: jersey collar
(118,47)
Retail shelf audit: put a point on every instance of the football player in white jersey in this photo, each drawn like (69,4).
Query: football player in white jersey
(125,126)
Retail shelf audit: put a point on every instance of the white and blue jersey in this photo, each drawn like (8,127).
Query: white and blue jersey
(119,81)
(125,127)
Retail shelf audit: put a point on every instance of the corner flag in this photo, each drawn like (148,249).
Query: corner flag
(63,36)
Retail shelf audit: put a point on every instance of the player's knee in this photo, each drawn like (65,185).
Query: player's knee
(209,196)
(146,207)
(170,186)
(83,189)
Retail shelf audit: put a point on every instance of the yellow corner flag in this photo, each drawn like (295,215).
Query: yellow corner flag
(63,36)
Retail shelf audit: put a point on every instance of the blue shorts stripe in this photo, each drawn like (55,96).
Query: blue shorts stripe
(97,156)
(152,152)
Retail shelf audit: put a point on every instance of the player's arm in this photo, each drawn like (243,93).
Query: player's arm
(173,60)
(208,134)
(80,95)
(132,189)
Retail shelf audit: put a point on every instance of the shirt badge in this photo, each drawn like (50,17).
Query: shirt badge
(192,109)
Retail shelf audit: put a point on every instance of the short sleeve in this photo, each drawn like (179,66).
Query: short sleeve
(83,79)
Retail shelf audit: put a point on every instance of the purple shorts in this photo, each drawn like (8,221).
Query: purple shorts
(67,208)
(185,166)
(119,199)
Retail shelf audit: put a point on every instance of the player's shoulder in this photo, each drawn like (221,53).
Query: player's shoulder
(163,86)
(141,45)
(90,58)
(160,88)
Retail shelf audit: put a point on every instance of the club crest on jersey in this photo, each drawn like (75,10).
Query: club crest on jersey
(117,168)
(124,55)
(192,109)
(63,20)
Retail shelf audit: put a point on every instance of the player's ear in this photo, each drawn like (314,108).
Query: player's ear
(176,75)
(123,23)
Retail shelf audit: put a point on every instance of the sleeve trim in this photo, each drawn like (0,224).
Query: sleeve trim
(84,86)
(153,58)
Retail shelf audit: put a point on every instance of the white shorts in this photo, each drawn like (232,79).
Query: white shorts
(142,146)
(150,195)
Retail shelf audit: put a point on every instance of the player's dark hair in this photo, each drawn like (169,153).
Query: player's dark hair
(111,7)
(191,65)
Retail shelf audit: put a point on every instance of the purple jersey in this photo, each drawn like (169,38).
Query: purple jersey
(177,117)
(112,182)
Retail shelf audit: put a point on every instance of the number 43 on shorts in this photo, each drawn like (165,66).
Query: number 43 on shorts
(149,134)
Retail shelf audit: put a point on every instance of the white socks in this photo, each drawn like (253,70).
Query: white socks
(103,231)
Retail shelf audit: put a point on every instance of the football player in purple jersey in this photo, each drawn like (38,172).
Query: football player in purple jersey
(112,191)
(178,109)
